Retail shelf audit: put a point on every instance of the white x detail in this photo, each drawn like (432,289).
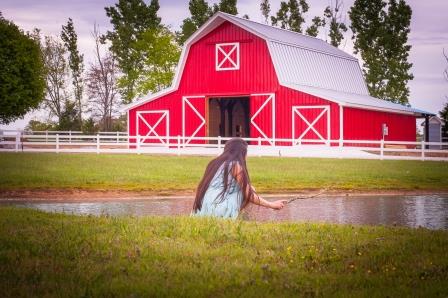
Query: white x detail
(310,125)
(270,99)
(227,49)
(185,102)
(164,114)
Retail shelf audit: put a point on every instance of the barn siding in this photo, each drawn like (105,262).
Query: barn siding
(257,75)
(366,125)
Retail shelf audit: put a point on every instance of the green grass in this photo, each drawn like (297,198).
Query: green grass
(171,173)
(45,254)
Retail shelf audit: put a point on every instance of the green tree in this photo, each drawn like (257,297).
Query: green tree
(227,6)
(291,15)
(380,35)
(56,71)
(75,62)
(444,112)
(130,19)
(200,12)
(265,9)
(22,83)
(333,15)
(36,125)
(69,119)
(161,54)
(317,23)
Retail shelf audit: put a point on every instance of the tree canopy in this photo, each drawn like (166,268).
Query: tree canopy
(76,64)
(130,19)
(380,34)
(22,83)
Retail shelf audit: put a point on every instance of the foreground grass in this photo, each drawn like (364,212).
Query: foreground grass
(162,173)
(60,255)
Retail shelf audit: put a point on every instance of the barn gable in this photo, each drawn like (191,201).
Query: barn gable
(301,62)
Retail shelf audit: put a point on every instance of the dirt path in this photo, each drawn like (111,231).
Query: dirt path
(112,195)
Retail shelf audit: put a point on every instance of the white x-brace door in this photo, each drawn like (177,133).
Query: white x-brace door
(270,99)
(164,115)
(310,123)
(186,104)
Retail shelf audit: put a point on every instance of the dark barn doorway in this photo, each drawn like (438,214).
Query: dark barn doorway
(228,117)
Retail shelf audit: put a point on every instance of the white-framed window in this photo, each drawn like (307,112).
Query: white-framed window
(227,56)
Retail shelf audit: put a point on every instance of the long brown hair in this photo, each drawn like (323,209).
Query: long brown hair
(235,151)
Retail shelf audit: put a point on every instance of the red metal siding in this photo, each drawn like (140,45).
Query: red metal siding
(287,98)
(366,125)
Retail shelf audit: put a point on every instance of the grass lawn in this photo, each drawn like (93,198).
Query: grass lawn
(44,254)
(171,173)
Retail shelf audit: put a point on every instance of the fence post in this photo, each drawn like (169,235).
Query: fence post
(178,145)
(138,144)
(259,146)
(382,149)
(57,143)
(117,137)
(423,149)
(219,142)
(46,136)
(97,144)
(70,136)
(17,141)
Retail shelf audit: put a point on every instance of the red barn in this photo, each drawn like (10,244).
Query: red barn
(237,77)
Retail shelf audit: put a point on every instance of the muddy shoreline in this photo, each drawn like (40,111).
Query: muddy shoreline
(76,195)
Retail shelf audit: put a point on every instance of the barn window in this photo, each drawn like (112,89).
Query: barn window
(227,56)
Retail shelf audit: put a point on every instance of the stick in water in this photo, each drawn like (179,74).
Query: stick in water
(309,197)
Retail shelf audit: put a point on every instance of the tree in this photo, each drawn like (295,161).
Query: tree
(337,28)
(56,70)
(161,55)
(227,6)
(265,8)
(313,30)
(22,83)
(291,15)
(130,19)
(75,62)
(69,119)
(200,12)
(444,112)
(380,35)
(101,84)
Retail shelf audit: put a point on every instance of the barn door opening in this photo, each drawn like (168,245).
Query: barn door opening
(228,117)
(311,123)
(262,121)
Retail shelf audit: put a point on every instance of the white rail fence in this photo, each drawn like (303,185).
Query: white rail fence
(119,142)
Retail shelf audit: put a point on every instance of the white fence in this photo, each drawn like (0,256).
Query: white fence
(119,142)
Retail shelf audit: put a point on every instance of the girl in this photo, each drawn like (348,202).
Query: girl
(225,188)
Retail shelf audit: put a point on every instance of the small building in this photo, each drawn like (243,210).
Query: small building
(433,131)
(237,77)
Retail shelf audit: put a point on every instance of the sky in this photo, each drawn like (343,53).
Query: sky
(428,37)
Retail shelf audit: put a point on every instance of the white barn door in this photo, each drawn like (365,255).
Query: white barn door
(311,123)
(153,126)
(262,122)
(193,117)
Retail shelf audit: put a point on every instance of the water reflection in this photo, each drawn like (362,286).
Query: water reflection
(412,211)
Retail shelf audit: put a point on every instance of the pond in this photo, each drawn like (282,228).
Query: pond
(429,211)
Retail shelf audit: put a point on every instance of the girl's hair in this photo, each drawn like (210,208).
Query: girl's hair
(235,152)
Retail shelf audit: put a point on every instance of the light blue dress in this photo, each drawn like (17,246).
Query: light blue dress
(214,205)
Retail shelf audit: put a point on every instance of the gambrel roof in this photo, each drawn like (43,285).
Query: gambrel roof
(301,62)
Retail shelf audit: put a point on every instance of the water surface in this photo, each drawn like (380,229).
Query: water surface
(412,211)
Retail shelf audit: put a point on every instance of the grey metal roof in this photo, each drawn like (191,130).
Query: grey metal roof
(303,67)
(305,60)
(358,100)
(288,37)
